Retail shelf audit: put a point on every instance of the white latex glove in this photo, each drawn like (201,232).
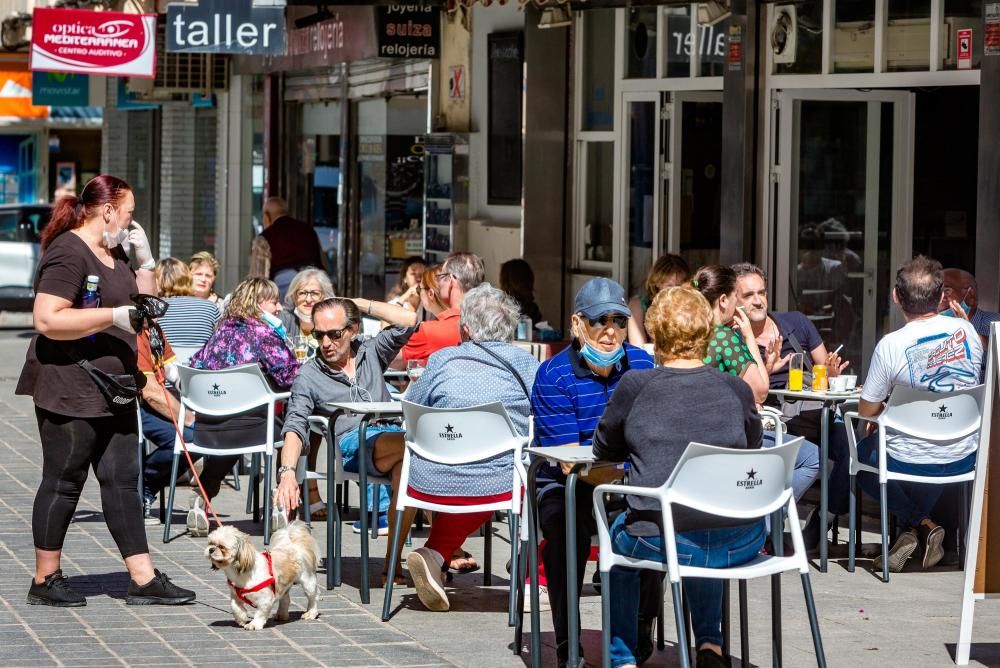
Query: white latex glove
(171,374)
(120,318)
(143,254)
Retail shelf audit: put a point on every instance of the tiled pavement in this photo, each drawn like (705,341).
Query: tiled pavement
(913,621)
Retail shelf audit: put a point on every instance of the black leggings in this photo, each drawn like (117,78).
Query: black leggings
(69,446)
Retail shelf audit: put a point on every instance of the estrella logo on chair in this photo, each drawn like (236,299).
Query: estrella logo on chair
(751,481)
(942,413)
(216,391)
(449,433)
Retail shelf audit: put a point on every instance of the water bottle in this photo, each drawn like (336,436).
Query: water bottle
(91,297)
(524,326)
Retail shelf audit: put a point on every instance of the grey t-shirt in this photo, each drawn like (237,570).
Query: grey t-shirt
(651,419)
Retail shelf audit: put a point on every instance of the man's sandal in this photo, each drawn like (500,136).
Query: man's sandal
(471,565)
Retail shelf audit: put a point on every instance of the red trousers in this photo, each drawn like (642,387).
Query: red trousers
(449,530)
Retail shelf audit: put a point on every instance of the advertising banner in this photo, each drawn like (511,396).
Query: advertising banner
(409,31)
(89,42)
(60,89)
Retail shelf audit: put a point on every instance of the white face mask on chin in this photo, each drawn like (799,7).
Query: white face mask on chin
(303,316)
(119,239)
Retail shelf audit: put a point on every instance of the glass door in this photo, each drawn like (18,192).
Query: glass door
(844,165)
(640,188)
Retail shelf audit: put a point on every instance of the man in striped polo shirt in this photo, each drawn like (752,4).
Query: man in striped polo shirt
(569,396)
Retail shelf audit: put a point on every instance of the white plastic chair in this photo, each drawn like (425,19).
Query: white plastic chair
(935,417)
(183,354)
(485,432)
(225,393)
(708,479)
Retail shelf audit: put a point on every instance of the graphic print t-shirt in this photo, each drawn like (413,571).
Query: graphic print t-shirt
(941,354)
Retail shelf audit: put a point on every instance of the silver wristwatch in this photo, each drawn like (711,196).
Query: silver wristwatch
(283,469)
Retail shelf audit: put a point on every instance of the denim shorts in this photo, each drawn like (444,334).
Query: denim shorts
(349,447)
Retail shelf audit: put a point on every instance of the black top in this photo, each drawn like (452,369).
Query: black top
(651,419)
(51,374)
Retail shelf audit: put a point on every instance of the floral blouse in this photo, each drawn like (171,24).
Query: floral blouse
(238,341)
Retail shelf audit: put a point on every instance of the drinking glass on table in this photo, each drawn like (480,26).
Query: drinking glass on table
(795,372)
(414,369)
(301,348)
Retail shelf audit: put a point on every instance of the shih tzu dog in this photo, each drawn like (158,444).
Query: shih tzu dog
(263,580)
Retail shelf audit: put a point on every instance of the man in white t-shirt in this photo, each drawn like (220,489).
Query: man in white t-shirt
(933,352)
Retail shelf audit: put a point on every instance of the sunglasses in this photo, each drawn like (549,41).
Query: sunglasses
(334,334)
(619,321)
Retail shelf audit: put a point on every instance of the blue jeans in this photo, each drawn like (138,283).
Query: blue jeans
(710,548)
(911,502)
(806,463)
(349,452)
(160,433)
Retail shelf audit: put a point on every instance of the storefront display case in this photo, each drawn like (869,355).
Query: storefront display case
(446,195)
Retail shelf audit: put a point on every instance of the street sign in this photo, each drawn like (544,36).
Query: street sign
(965,49)
(237,27)
(88,42)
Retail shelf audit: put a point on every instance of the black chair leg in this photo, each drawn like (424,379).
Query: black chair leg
(813,621)
(661,622)
(744,625)
(726,621)
(488,554)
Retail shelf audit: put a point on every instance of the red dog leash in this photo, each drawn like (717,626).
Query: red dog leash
(241,592)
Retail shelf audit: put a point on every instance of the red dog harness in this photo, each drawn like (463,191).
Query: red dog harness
(241,592)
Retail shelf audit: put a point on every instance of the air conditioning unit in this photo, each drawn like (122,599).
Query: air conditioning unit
(178,75)
(784,33)
(907,45)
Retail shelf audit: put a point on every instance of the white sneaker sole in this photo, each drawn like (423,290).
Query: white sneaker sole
(934,552)
(429,589)
(197,522)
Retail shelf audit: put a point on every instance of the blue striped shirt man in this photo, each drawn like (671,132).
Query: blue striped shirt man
(568,398)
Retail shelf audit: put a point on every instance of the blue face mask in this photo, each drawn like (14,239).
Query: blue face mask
(951,314)
(274,323)
(600,358)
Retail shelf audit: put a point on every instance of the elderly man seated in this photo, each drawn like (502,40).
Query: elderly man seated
(484,368)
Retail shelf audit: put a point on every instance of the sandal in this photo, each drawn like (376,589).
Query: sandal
(399,580)
(317,511)
(471,566)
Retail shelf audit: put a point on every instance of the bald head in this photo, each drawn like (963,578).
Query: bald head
(274,208)
(959,285)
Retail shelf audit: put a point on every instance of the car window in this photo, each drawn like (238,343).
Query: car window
(8,226)
(31,222)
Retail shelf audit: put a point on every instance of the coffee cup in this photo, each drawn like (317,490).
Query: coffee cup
(838,384)
(852,381)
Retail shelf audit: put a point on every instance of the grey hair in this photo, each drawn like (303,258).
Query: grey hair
(467,268)
(304,276)
(489,313)
(747,268)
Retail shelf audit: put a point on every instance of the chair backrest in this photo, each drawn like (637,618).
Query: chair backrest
(934,416)
(459,435)
(733,483)
(183,354)
(224,392)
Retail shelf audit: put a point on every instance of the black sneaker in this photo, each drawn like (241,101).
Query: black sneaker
(55,591)
(645,644)
(158,591)
(709,659)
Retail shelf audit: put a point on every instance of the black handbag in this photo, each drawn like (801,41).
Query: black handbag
(119,390)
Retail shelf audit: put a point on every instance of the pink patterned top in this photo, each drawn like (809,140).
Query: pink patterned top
(238,341)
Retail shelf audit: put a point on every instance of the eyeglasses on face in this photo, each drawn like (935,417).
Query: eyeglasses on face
(334,334)
(309,294)
(619,321)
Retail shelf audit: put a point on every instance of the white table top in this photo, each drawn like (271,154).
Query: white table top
(850,395)
(362,407)
(579,454)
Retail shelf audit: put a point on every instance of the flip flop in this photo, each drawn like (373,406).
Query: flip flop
(398,581)
(467,569)
(315,508)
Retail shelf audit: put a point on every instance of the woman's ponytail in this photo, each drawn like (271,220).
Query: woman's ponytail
(67,214)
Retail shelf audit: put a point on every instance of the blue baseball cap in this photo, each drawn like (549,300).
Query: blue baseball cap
(600,296)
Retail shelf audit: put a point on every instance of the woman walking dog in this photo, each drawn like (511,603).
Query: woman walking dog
(80,369)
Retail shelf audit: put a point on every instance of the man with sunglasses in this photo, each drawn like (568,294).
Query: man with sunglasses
(343,369)
(570,393)
(460,273)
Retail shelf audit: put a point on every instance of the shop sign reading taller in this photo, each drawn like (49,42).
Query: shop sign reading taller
(90,42)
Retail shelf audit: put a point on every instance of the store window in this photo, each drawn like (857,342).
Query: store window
(908,36)
(677,54)
(796,37)
(961,16)
(641,43)
(854,36)
(598,70)
(597,235)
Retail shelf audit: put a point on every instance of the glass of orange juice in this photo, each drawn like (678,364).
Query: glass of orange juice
(795,373)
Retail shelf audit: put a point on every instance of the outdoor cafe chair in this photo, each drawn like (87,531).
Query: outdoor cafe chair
(934,417)
(486,432)
(708,479)
(225,393)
